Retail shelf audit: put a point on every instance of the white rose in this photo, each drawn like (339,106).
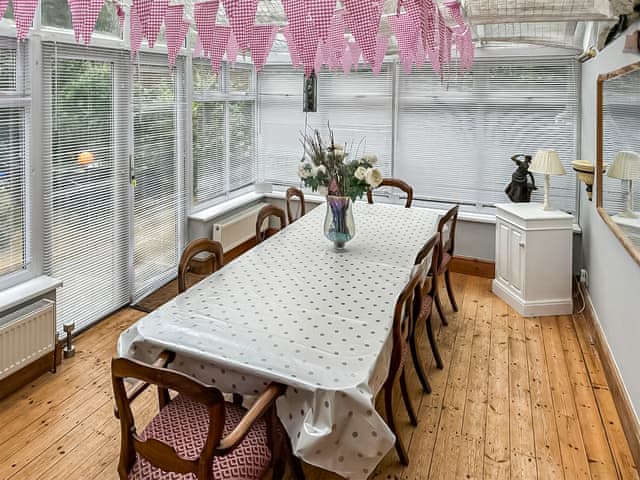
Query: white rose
(314,171)
(372,159)
(303,172)
(360,173)
(339,148)
(324,191)
(373,177)
(322,169)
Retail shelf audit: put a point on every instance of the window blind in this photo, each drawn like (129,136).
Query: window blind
(14,114)
(223,119)
(85,169)
(621,120)
(456,137)
(157,102)
(359,108)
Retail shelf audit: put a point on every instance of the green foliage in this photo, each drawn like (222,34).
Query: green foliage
(56,13)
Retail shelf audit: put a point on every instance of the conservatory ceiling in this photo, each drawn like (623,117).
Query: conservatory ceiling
(555,23)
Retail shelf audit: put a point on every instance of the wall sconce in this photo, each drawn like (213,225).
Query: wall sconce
(632,42)
(584,172)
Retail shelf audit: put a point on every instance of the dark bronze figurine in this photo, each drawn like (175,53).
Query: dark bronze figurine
(519,190)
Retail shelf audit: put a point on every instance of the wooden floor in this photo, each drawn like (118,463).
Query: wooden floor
(518,398)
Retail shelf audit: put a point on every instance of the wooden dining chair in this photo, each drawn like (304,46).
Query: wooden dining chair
(447,231)
(396,183)
(291,194)
(196,432)
(196,247)
(266,213)
(403,322)
(423,306)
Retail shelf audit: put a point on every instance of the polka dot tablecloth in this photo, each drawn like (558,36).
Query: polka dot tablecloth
(295,311)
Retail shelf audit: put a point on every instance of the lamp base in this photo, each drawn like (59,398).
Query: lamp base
(628,214)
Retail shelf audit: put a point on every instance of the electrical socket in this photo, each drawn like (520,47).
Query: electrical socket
(584,277)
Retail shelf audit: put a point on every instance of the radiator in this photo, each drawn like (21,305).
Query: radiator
(238,228)
(26,335)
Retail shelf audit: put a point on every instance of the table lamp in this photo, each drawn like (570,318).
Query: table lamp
(547,162)
(626,166)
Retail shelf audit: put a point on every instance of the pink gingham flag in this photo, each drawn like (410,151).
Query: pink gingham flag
(84,14)
(23,12)
(382,43)
(232,49)
(363,19)
(335,44)
(406,32)
(154,22)
(143,9)
(317,65)
(262,38)
(3,7)
(320,12)
(347,61)
(295,12)
(121,14)
(176,29)
(135,30)
(205,17)
(241,15)
(355,52)
(77,8)
(219,42)
(197,49)
(293,48)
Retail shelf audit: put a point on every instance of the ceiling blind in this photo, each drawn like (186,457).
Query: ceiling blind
(455,138)
(359,108)
(621,120)
(224,130)
(14,111)
(85,118)
(156,162)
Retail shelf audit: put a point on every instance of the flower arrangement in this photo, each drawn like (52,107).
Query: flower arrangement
(326,169)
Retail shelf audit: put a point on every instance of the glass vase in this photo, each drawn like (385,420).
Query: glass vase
(339,226)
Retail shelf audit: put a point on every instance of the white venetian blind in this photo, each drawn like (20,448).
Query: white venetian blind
(86,191)
(241,109)
(456,137)
(157,159)
(14,109)
(621,122)
(359,108)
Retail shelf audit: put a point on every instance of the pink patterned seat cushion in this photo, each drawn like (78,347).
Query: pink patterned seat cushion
(184,425)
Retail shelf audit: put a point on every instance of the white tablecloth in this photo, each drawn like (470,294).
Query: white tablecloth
(293,310)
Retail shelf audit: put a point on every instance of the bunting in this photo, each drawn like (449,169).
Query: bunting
(23,12)
(262,38)
(232,49)
(406,33)
(176,31)
(363,20)
(241,15)
(154,22)
(382,43)
(291,45)
(3,7)
(143,10)
(205,14)
(219,42)
(84,15)
(135,30)
(320,12)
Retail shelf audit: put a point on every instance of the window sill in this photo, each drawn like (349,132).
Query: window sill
(208,214)
(24,292)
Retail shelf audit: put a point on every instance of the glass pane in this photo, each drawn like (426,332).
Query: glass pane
(204,81)
(208,150)
(240,79)
(56,13)
(241,144)
(7,70)
(12,190)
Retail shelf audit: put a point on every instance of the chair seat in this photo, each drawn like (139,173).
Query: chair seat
(446,260)
(425,309)
(184,425)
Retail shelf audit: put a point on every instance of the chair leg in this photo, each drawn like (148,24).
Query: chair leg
(388,403)
(297,472)
(443,319)
(418,364)
(447,281)
(238,399)
(432,342)
(407,399)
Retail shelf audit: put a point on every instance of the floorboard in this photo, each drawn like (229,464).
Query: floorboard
(517,398)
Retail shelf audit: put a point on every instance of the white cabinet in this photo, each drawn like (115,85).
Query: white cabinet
(533,259)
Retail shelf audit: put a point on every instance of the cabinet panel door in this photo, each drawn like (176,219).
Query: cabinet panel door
(516,259)
(502,253)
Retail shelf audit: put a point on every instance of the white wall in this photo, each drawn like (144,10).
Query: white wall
(614,277)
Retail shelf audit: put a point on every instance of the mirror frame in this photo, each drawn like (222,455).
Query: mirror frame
(615,228)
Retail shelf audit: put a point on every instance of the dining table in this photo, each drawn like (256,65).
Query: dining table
(295,310)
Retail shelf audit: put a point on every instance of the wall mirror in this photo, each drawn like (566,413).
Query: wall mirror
(618,168)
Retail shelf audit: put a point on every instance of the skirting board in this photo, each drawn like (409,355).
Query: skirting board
(473,266)
(628,417)
(17,380)
(560,306)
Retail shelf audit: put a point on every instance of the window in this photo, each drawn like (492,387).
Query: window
(223,123)
(456,137)
(358,106)
(14,113)
(56,13)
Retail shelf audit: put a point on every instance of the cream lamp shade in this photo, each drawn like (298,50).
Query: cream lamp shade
(547,162)
(626,167)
